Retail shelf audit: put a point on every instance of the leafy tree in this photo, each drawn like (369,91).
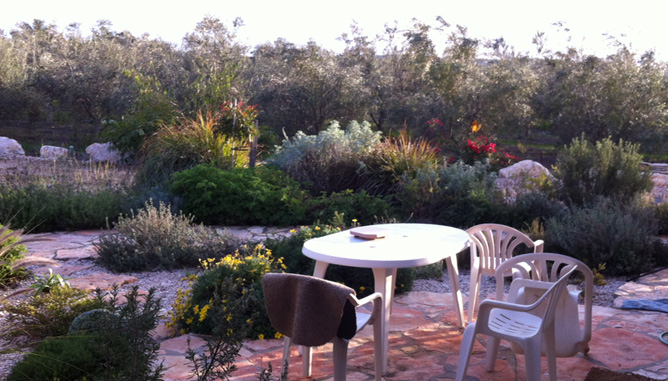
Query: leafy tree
(299,89)
(216,61)
(619,96)
(510,84)
(458,86)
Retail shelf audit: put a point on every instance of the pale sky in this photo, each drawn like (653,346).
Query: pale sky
(639,23)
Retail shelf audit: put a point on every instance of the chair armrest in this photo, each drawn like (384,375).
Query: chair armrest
(490,304)
(376,298)
(370,298)
(519,283)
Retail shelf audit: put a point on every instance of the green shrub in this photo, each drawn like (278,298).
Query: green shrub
(330,161)
(457,195)
(620,235)
(228,290)
(151,109)
(586,171)
(155,238)
(362,207)
(46,314)
(60,358)
(535,206)
(10,252)
(359,279)
(186,144)
(248,196)
(121,349)
(661,211)
(41,207)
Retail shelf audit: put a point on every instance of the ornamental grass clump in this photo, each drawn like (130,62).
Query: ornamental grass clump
(395,158)
(155,238)
(187,143)
(11,251)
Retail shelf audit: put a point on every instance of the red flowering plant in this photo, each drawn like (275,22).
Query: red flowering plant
(479,148)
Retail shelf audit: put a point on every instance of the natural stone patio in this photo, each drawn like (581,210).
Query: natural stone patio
(424,342)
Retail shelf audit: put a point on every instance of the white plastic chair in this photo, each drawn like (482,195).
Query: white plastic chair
(572,333)
(517,323)
(312,311)
(491,245)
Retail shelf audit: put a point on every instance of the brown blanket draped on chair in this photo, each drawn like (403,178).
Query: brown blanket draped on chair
(309,310)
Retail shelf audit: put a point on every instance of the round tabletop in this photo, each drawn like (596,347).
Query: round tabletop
(403,245)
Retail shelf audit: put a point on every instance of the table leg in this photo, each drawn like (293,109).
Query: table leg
(453,273)
(320,269)
(383,282)
(393,288)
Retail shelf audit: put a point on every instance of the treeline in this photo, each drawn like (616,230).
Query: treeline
(124,86)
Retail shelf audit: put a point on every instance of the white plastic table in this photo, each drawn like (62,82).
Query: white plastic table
(405,245)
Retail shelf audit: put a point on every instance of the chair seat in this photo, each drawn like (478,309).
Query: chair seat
(572,324)
(518,324)
(514,323)
(363,319)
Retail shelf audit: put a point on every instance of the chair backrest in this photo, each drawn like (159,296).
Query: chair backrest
(550,298)
(309,310)
(493,244)
(549,267)
(554,293)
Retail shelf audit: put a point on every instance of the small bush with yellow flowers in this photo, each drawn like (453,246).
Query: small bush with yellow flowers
(228,293)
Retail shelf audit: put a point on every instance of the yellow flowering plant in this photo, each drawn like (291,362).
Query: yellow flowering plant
(227,293)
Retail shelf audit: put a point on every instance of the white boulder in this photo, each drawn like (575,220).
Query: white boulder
(100,152)
(525,168)
(52,152)
(10,147)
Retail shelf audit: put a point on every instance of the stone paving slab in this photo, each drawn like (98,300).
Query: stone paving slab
(103,281)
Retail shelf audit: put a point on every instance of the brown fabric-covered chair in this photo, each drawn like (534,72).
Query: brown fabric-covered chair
(311,312)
